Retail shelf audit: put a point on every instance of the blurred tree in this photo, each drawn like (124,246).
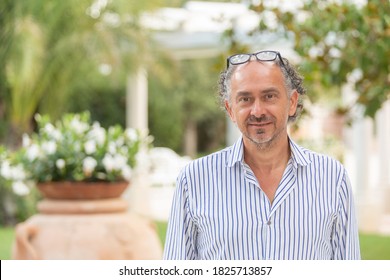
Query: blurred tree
(338,42)
(51,49)
(184,113)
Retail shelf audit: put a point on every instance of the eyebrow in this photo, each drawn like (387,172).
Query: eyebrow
(270,90)
(243,93)
(265,91)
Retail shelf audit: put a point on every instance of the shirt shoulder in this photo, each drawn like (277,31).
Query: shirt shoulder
(306,157)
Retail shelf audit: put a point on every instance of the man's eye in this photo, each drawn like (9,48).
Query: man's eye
(269,96)
(244,99)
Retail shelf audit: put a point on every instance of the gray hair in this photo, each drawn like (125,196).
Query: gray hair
(292,79)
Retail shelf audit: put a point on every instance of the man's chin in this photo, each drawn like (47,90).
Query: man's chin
(263,140)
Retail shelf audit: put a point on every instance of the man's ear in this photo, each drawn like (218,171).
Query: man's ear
(229,111)
(293,102)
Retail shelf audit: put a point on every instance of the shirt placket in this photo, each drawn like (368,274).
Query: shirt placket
(286,186)
(264,211)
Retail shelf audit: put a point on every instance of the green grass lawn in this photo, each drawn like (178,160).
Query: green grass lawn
(161,230)
(6,239)
(373,247)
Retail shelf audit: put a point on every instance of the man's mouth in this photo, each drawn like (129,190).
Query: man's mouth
(262,124)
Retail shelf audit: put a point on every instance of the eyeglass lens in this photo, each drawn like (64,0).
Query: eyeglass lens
(262,56)
(266,56)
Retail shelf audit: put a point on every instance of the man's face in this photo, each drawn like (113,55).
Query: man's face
(259,102)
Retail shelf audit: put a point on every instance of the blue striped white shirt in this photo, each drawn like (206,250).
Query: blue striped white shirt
(219,211)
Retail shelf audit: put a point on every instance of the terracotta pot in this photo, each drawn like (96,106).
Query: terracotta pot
(82,190)
(81,221)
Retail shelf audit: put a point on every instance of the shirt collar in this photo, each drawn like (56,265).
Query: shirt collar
(298,154)
(236,153)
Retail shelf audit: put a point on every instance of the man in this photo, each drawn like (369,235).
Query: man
(265,197)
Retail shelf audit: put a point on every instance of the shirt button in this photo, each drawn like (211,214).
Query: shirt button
(269,223)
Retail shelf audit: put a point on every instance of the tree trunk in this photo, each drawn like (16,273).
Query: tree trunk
(191,139)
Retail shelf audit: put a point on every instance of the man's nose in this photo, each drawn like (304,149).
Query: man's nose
(257,109)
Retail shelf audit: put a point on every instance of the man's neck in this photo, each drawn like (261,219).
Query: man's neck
(266,160)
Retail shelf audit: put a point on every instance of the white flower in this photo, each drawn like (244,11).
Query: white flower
(33,152)
(46,155)
(90,147)
(116,162)
(10,172)
(98,133)
(49,147)
(89,165)
(112,148)
(120,142)
(119,161)
(131,133)
(108,162)
(53,132)
(56,135)
(60,163)
(78,126)
(17,173)
(49,128)
(5,170)
(20,188)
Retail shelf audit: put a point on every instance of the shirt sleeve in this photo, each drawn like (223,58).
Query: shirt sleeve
(180,243)
(346,236)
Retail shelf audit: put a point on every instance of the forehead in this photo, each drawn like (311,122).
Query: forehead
(259,72)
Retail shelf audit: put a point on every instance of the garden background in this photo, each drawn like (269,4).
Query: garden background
(79,55)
